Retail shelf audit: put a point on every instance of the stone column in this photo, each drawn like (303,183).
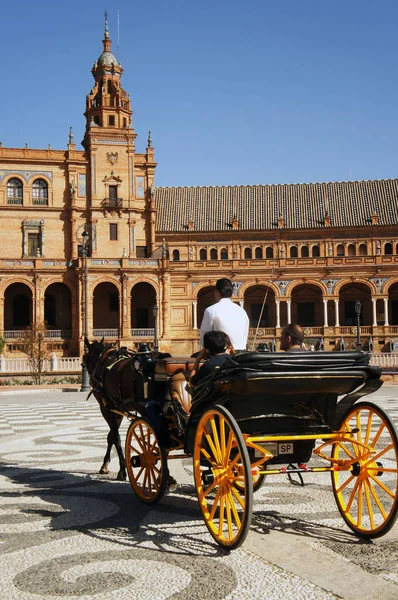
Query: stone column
(124,320)
(336,311)
(195,314)
(289,312)
(386,323)
(38,306)
(325,313)
(278,313)
(374,312)
(166,304)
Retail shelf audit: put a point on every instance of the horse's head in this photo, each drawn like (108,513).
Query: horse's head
(93,353)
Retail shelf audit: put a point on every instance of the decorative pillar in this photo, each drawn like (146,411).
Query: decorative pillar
(41,238)
(73,237)
(166,304)
(38,302)
(289,312)
(325,313)
(386,323)
(278,313)
(195,314)
(336,311)
(124,321)
(374,312)
(2,324)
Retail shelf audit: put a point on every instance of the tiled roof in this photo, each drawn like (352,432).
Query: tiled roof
(258,207)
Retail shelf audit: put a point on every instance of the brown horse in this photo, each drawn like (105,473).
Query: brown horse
(114,385)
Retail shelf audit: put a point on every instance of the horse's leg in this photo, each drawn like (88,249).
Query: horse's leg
(108,416)
(104,470)
(122,474)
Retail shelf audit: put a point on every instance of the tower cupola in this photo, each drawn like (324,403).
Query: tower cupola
(108,105)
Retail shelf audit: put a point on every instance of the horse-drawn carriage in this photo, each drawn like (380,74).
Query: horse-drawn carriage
(261,415)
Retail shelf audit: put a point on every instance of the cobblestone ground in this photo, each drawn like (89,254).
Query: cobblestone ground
(67,532)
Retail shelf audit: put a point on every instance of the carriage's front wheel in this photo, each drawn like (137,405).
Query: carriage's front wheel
(220,461)
(146,461)
(367,493)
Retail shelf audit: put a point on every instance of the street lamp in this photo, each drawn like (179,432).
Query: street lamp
(85,246)
(358,307)
(155,311)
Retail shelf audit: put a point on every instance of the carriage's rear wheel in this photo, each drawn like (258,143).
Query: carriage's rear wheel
(146,461)
(220,461)
(367,494)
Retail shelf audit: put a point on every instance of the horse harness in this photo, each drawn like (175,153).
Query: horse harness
(102,366)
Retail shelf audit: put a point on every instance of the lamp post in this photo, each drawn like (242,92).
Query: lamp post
(358,307)
(155,311)
(85,246)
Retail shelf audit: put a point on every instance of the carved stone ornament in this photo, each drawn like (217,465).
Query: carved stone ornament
(112,157)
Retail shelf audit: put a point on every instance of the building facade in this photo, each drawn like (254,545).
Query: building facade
(301,252)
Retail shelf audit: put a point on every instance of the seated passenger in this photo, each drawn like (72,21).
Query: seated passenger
(292,338)
(217,350)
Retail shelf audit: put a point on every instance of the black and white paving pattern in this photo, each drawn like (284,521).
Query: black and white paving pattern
(67,532)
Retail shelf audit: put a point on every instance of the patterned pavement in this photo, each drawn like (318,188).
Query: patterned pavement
(67,532)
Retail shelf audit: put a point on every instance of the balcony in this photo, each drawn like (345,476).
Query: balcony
(142,333)
(112,204)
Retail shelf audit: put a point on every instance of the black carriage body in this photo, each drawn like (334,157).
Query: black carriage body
(286,394)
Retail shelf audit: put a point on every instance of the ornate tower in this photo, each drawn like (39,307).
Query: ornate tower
(108,105)
(118,206)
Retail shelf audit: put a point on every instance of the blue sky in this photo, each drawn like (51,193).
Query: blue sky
(234,92)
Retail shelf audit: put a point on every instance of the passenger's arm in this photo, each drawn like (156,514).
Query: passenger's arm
(206,325)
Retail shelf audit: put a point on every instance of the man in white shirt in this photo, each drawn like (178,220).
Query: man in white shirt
(226,316)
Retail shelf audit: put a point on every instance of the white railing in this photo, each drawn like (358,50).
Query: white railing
(385,360)
(106,333)
(18,334)
(72,364)
(14,334)
(64,334)
(142,333)
(55,363)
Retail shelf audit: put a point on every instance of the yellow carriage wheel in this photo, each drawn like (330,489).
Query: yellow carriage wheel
(146,461)
(220,461)
(367,492)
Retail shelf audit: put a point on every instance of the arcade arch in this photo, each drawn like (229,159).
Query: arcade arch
(18,306)
(143,298)
(106,306)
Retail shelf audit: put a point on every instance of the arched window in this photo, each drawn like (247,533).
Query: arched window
(340,250)
(224,254)
(14,191)
(351,250)
(259,253)
(202,254)
(176,255)
(40,192)
(363,250)
(304,252)
(248,253)
(213,254)
(269,252)
(315,250)
(293,252)
(388,248)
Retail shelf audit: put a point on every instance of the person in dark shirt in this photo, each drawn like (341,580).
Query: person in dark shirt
(217,350)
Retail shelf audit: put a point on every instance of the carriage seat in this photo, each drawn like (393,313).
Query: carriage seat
(176,368)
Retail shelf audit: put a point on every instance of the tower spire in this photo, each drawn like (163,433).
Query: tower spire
(106,25)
